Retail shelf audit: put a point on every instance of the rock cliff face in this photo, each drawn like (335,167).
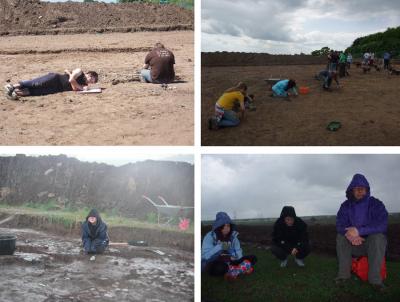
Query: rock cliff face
(71,182)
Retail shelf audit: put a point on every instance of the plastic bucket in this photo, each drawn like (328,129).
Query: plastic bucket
(304,90)
(7,244)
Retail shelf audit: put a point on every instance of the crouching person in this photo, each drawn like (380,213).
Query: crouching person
(94,233)
(361,225)
(290,237)
(221,254)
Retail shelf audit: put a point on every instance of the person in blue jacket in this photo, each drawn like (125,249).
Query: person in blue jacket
(361,225)
(94,233)
(284,88)
(221,253)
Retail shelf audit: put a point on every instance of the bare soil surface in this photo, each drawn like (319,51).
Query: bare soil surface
(367,106)
(53,268)
(127,112)
(40,17)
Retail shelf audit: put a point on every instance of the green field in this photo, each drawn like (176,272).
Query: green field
(315,282)
(72,217)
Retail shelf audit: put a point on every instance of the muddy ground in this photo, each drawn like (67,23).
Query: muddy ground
(367,106)
(41,17)
(53,268)
(127,113)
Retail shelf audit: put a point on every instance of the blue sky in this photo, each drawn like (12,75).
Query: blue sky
(292,26)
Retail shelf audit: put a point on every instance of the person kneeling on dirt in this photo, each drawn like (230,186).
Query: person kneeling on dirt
(327,77)
(158,66)
(231,101)
(290,237)
(221,254)
(77,80)
(94,233)
(284,88)
(361,225)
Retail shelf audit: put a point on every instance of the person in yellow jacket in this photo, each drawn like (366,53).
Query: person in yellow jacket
(226,107)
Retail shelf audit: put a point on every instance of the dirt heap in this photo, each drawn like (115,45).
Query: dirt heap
(71,182)
(36,17)
(256,59)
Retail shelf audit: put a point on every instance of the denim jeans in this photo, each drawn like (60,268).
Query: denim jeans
(146,74)
(229,119)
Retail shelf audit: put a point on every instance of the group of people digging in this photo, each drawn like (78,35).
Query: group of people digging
(361,225)
(158,68)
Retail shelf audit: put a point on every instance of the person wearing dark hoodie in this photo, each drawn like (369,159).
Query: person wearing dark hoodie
(361,225)
(221,254)
(290,237)
(94,233)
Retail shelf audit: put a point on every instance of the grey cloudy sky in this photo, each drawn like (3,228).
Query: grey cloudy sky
(110,155)
(292,26)
(258,186)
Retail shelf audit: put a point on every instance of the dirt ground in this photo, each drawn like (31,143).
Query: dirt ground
(367,106)
(53,268)
(36,17)
(127,113)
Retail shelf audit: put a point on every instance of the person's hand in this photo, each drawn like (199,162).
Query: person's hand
(294,252)
(352,232)
(357,241)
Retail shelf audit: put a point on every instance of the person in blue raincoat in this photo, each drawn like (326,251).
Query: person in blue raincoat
(284,88)
(221,253)
(94,233)
(361,225)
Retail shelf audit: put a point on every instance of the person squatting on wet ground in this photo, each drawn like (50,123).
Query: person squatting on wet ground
(226,107)
(94,233)
(158,66)
(361,225)
(290,237)
(77,80)
(221,254)
(284,89)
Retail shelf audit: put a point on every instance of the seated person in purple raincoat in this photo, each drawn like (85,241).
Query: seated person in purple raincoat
(361,225)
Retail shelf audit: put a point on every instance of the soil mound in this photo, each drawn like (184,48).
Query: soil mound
(36,17)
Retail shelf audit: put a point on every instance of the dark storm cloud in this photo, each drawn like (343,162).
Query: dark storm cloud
(260,185)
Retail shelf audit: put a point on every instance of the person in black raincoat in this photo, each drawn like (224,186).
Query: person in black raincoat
(290,237)
(94,233)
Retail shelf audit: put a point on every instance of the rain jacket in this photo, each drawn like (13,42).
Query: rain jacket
(212,248)
(368,215)
(290,237)
(94,237)
(280,88)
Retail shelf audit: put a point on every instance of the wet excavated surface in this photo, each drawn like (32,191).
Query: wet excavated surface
(51,268)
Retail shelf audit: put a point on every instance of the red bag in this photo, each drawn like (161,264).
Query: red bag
(359,266)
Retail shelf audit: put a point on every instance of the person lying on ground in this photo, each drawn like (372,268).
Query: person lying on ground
(327,77)
(290,237)
(284,88)
(94,233)
(232,100)
(249,102)
(221,254)
(158,66)
(77,80)
(361,225)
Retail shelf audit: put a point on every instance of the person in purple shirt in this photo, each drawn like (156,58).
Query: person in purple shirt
(361,225)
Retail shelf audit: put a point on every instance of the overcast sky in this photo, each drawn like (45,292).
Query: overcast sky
(110,155)
(292,26)
(258,186)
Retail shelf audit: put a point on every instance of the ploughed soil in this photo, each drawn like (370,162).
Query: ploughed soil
(322,237)
(51,266)
(366,105)
(40,17)
(127,112)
